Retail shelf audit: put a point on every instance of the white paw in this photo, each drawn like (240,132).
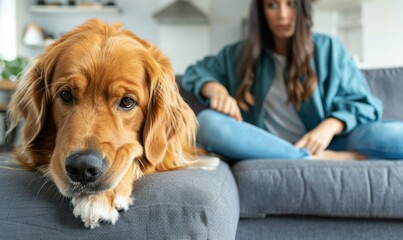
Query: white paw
(94,209)
(122,203)
(207,163)
(212,163)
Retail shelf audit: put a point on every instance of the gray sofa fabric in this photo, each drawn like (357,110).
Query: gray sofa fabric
(317,228)
(387,85)
(368,189)
(185,204)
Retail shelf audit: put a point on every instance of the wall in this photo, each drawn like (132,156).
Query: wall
(383,33)
(182,44)
(136,16)
(376,40)
(8,29)
(343,23)
(380,43)
(324,21)
(226,18)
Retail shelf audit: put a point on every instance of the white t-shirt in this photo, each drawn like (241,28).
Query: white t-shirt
(281,119)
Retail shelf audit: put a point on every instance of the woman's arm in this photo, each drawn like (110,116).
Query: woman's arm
(213,79)
(346,94)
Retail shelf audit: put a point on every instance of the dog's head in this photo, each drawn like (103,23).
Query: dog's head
(97,103)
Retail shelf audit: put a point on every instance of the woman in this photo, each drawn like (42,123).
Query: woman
(288,93)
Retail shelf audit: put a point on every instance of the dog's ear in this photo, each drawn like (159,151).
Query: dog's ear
(170,126)
(29,103)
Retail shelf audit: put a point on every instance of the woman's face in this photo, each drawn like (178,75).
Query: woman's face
(281,17)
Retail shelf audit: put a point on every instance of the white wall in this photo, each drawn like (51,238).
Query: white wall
(325,21)
(383,33)
(179,42)
(8,29)
(136,16)
(378,41)
(184,44)
(345,25)
(381,43)
(226,18)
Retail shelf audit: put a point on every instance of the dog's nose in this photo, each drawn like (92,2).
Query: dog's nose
(85,167)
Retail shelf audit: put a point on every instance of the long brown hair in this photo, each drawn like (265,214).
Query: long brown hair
(300,51)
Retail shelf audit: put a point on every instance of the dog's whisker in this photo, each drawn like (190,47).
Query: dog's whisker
(141,162)
(45,180)
(56,193)
(52,188)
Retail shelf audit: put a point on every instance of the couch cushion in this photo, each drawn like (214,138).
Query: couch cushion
(387,85)
(323,188)
(319,228)
(185,204)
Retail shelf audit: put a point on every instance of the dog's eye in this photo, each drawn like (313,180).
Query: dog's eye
(66,97)
(127,103)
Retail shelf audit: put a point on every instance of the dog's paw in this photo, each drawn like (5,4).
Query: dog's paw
(211,163)
(93,209)
(122,202)
(206,163)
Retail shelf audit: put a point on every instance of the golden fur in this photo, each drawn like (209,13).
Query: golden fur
(101,64)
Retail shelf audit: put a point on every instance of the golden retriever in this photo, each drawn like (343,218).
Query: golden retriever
(101,108)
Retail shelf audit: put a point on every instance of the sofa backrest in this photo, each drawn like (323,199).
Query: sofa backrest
(386,84)
(190,98)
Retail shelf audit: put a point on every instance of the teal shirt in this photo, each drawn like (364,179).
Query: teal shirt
(342,91)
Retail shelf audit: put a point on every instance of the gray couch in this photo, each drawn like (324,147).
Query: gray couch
(253,199)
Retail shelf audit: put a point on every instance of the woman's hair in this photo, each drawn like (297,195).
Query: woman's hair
(300,50)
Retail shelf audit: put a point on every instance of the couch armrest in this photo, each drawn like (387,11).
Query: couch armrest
(183,204)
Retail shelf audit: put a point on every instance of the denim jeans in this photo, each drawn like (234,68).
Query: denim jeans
(237,140)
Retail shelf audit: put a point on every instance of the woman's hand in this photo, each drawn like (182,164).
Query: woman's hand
(221,100)
(318,139)
(226,104)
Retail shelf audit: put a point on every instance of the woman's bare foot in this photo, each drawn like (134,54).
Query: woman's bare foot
(338,155)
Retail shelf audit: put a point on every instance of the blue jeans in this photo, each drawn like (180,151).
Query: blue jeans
(236,140)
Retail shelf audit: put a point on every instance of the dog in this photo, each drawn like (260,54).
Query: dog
(101,108)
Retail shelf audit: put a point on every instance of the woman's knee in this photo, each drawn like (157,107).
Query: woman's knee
(210,118)
(206,115)
(213,123)
(381,140)
(388,130)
